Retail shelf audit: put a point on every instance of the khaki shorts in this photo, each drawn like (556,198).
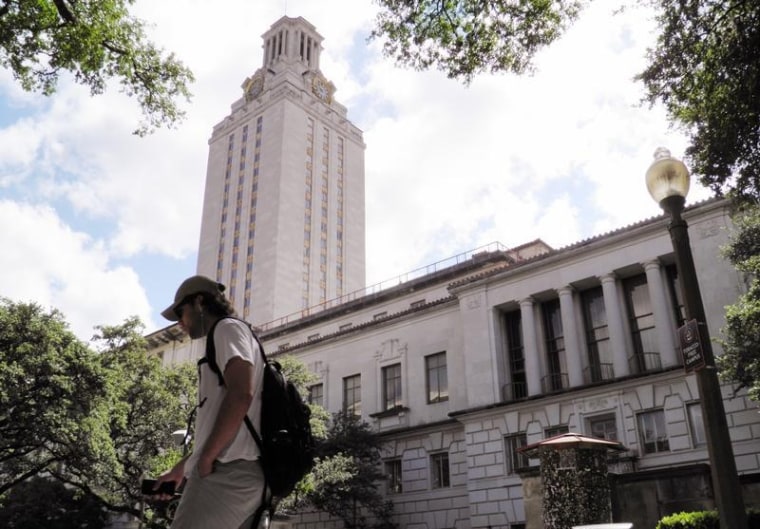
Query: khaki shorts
(225,499)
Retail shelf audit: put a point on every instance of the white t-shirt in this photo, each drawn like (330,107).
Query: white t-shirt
(232,338)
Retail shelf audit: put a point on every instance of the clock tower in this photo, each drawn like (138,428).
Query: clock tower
(283,212)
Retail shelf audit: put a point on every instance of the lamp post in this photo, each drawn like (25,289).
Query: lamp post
(668,182)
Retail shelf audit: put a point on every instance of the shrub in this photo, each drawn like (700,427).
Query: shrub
(703,520)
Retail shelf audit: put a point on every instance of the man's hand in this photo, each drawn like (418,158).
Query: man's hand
(175,475)
(205,466)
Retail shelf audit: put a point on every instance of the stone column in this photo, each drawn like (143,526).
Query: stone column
(570,332)
(530,347)
(662,320)
(615,325)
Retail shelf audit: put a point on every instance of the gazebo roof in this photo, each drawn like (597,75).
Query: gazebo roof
(573,440)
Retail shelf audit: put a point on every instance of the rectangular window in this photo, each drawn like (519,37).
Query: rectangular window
(391,387)
(597,336)
(553,431)
(393,473)
(517,388)
(641,320)
(515,460)
(555,347)
(603,427)
(437,378)
(439,466)
(652,433)
(352,394)
(696,425)
(316,394)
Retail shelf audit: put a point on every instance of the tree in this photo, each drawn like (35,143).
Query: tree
(44,502)
(50,388)
(467,37)
(95,41)
(705,68)
(741,343)
(145,403)
(302,378)
(344,481)
(96,421)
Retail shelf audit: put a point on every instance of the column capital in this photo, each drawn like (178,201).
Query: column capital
(609,277)
(651,263)
(564,291)
(527,301)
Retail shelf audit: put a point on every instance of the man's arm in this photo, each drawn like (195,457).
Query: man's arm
(238,378)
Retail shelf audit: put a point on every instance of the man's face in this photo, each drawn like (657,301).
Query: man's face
(191,318)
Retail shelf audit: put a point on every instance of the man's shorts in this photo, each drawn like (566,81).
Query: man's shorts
(225,499)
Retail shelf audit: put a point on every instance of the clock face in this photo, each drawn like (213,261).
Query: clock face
(254,88)
(320,89)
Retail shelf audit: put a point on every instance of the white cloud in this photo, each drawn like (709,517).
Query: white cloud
(47,262)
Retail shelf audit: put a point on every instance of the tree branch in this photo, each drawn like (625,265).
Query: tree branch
(64,11)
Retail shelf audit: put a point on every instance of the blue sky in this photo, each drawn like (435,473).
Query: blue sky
(103,225)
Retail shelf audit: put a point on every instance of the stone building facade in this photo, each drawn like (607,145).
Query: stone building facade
(499,348)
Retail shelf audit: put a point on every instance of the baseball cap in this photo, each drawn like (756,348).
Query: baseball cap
(191,285)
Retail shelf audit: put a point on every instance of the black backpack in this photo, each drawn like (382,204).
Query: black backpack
(286,443)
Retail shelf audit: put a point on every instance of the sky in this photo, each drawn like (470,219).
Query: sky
(102,225)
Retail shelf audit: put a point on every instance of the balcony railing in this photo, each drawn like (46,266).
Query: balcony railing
(554,382)
(598,372)
(644,363)
(514,391)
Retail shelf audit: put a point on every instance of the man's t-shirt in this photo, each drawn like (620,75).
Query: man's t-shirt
(232,338)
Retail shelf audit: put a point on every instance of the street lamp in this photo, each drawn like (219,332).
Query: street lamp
(668,182)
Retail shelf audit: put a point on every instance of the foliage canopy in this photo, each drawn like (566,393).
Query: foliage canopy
(467,37)
(705,69)
(95,40)
(344,482)
(97,421)
(740,360)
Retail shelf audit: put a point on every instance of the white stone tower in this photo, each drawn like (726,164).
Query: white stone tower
(283,213)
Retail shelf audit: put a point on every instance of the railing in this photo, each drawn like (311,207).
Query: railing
(644,362)
(598,372)
(554,382)
(514,391)
(387,284)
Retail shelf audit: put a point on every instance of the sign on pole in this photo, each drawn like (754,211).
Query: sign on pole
(691,346)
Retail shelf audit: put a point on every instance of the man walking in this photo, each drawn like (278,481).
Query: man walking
(225,480)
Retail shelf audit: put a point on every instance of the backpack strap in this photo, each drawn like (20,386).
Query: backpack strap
(210,355)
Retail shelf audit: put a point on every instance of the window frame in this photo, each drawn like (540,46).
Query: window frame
(392,388)
(394,475)
(356,404)
(696,426)
(514,460)
(319,399)
(597,333)
(557,429)
(602,418)
(439,461)
(658,416)
(516,354)
(439,381)
(641,325)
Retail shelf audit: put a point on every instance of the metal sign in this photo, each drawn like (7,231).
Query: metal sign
(691,346)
